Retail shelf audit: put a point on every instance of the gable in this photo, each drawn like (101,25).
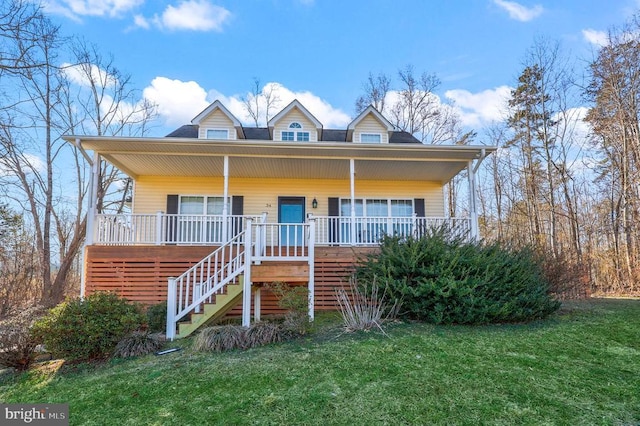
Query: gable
(370,125)
(295,112)
(217,120)
(295,115)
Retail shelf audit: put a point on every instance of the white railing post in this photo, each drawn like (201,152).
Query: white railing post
(311,254)
(225,202)
(414,218)
(159,228)
(246,290)
(171,308)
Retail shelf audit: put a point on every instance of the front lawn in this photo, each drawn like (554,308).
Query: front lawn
(580,366)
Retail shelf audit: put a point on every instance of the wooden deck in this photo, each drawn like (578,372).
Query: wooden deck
(140,273)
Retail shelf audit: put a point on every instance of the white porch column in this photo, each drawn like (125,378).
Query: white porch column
(311,253)
(225,201)
(352,177)
(92,200)
(473,212)
(246,289)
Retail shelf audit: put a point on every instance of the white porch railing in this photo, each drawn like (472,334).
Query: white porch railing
(282,239)
(367,231)
(203,280)
(161,228)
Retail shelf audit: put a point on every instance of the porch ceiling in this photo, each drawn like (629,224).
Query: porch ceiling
(260,159)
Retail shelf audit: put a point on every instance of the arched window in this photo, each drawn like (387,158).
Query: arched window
(295,133)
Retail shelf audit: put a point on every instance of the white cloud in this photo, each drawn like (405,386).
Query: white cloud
(519,12)
(190,15)
(599,38)
(482,108)
(141,21)
(179,102)
(75,8)
(78,74)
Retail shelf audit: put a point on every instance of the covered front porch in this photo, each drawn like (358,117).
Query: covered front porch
(258,209)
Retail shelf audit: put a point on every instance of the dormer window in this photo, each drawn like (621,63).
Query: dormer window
(217,134)
(295,133)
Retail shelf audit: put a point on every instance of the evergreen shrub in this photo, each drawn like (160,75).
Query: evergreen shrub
(443,279)
(80,330)
(157,318)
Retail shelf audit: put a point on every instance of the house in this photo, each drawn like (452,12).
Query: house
(219,208)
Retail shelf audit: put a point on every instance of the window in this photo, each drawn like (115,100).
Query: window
(377,207)
(217,134)
(295,133)
(288,136)
(196,205)
(375,218)
(370,137)
(199,219)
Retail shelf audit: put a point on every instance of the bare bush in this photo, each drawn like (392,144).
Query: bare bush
(17,342)
(363,308)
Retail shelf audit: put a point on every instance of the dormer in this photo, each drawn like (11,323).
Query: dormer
(216,122)
(295,123)
(370,127)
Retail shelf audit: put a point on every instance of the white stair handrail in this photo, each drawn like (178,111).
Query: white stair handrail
(203,280)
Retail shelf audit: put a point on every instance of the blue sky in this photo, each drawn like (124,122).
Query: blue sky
(183,54)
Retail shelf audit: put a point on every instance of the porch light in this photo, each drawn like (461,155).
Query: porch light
(314,203)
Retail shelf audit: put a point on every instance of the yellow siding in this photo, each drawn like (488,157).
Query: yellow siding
(261,195)
(370,124)
(295,115)
(217,120)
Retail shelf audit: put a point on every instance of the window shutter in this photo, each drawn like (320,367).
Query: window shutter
(237,205)
(334,224)
(172,204)
(334,206)
(171,231)
(237,209)
(418,206)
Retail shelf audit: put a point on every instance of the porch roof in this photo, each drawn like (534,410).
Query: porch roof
(275,159)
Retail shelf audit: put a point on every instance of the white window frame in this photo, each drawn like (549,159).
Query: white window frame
(299,134)
(367,135)
(388,201)
(206,133)
(205,203)
(293,136)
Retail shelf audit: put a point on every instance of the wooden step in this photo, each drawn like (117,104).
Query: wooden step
(213,311)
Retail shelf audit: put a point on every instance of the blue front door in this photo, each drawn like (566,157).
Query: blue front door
(291,211)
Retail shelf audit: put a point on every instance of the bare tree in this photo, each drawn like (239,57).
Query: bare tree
(261,102)
(375,89)
(614,89)
(43,176)
(412,106)
(102,102)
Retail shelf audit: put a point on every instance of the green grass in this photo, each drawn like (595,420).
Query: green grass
(581,366)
